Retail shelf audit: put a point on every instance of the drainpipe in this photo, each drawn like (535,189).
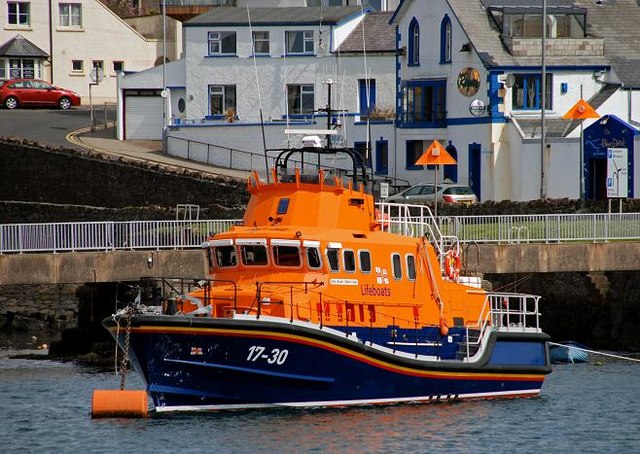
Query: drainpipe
(630,120)
(51,40)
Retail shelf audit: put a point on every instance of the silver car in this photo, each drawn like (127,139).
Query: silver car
(426,193)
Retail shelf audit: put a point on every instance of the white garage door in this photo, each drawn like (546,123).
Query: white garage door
(143,117)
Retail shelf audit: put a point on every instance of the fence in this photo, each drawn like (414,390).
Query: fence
(189,234)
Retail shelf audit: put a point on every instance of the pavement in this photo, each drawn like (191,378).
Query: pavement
(103,140)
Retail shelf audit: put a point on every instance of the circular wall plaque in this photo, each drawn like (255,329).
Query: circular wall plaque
(469,81)
(477,107)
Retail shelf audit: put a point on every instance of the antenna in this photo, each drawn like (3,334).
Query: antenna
(255,66)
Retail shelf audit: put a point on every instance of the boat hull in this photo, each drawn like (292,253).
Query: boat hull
(204,363)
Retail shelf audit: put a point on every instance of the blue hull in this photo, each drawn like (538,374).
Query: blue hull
(204,363)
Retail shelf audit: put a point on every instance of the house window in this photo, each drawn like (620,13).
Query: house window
(445,40)
(222,43)
(3,69)
(300,99)
(362,150)
(77,66)
(414,150)
(299,42)
(414,43)
(70,15)
(222,98)
(18,13)
(367,92)
(261,43)
(26,68)
(118,66)
(527,91)
(382,157)
(424,103)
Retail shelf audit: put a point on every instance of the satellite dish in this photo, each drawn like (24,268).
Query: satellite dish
(510,80)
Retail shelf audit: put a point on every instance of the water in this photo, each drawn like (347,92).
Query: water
(45,405)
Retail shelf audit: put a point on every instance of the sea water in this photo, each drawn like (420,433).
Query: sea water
(584,408)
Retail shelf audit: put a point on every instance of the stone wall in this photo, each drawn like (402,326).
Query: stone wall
(43,184)
(38,308)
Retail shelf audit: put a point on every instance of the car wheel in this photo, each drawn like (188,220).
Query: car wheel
(64,103)
(11,102)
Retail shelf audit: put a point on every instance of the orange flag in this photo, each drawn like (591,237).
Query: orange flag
(580,111)
(436,154)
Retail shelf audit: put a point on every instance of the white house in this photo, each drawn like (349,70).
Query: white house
(62,41)
(471,77)
(229,88)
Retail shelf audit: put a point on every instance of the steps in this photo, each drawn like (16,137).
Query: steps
(600,281)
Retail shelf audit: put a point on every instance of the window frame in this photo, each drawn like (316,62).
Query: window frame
(77,70)
(266,40)
(308,40)
(349,260)
(410,263)
(220,41)
(522,81)
(424,103)
(445,40)
(367,253)
(414,43)
(412,155)
(330,262)
(300,109)
(396,266)
(19,13)
(229,100)
(69,15)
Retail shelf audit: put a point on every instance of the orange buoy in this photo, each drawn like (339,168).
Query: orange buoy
(116,403)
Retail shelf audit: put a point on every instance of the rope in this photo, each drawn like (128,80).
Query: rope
(595,352)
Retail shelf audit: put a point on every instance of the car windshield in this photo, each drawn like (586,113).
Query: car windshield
(460,190)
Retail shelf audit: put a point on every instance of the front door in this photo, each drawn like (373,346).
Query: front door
(474,169)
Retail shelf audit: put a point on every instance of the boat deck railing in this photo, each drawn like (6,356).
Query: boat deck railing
(503,312)
(416,221)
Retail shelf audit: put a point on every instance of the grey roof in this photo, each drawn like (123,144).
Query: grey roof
(485,36)
(379,36)
(19,46)
(303,15)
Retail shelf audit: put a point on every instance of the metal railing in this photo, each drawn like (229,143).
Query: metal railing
(107,236)
(185,234)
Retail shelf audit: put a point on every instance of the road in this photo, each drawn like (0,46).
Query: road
(50,126)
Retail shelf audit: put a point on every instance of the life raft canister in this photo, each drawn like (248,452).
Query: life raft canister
(452,264)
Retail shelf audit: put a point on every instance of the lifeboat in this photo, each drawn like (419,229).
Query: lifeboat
(322,297)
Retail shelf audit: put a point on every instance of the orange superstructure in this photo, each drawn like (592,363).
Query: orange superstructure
(312,248)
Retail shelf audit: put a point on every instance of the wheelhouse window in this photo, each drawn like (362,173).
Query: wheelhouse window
(313,258)
(222,99)
(225,256)
(18,13)
(286,255)
(411,267)
(365,261)
(261,43)
(414,43)
(253,255)
(396,265)
(222,43)
(349,259)
(300,99)
(424,103)
(333,259)
(299,42)
(445,40)
(70,15)
(527,92)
